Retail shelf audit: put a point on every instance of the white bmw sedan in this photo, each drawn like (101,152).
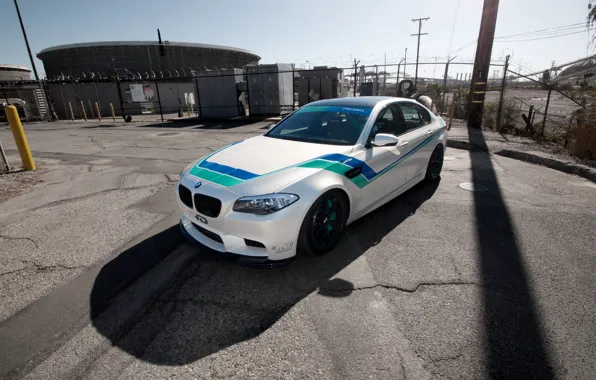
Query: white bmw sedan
(297,187)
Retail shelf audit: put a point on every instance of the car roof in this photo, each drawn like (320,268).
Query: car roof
(360,101)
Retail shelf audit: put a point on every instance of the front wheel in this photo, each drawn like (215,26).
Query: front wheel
(324,223)
(435,165)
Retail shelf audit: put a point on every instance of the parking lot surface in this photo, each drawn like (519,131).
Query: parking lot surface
(442,282)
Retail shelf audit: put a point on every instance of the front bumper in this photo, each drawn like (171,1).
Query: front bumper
(249,261)
(255,238)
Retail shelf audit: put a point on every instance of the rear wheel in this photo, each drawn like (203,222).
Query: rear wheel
(435,165)
(324,223)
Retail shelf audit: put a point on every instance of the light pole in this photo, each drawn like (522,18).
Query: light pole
(26,41)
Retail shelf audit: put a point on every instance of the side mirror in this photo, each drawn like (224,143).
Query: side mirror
(385,139)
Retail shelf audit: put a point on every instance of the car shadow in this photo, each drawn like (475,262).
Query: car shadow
(216,304)
(515,346)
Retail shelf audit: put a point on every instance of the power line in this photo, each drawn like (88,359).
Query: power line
(540,32)
(546,38)
(555,29)
(453,28)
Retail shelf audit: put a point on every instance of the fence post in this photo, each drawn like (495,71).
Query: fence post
(293,90)
(159,100)
(248,94)
(198,98)
(76,97)
(503,84)
(545,111)
(4,159)
(445,84)
(63,100)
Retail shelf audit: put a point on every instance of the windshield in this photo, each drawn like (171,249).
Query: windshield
(335,125)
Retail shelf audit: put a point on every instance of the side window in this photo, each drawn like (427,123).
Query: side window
(414,115)
(390,120)
(384,122)
(424,115)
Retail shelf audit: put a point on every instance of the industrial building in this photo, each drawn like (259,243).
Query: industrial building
(141,58)
(14,73)
(17,89)
(169,76)
(321,82)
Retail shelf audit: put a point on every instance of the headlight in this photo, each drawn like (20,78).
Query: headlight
(187,169)
(264,204)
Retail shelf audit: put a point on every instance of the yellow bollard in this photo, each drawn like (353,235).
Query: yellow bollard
(71,113)
(113,114)
(19,137)
(98,112)
(83,109)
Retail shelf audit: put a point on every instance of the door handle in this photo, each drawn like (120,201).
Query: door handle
(430,131)
(403,143)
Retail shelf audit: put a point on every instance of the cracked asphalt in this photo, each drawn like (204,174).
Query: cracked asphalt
(441,283)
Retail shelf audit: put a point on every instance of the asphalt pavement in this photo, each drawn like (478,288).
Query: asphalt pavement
(440,283)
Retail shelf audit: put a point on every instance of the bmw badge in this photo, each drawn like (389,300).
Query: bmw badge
(198,184)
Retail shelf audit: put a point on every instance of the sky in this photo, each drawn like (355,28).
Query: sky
(310,32)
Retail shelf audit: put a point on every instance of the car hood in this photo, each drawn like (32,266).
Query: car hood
(261,164)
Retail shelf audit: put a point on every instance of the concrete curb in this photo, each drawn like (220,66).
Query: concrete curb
(562,166)
(559,165)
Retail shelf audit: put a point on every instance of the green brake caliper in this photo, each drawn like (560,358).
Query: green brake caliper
(332,217)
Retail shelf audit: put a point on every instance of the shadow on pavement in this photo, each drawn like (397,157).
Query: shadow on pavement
(514,342)
(130,265)
(216,304)
(195,123)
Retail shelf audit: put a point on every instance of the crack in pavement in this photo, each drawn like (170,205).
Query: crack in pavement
(82,197)
(446,358)
(20,238)
(170,180)
(99,144)
(42,268)
(398,288)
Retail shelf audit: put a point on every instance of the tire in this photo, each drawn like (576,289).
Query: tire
(435,165)
(324,223)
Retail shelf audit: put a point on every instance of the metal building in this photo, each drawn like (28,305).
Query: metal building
(141,58)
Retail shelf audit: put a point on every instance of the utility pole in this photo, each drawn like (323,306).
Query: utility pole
(482,63)
(418,49)
(26,41)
